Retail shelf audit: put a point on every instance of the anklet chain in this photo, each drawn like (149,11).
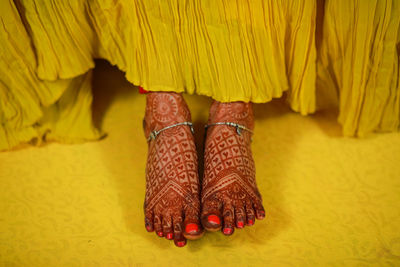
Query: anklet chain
(155,133)
(238,127)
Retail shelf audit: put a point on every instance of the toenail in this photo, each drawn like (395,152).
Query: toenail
(148,227)
(180,243)
(240,224)
(214,219)
(250,222)
(227,231)
(191,228)
(169,236)
(160,234)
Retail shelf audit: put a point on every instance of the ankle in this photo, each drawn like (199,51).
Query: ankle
(164,109)
(237,112)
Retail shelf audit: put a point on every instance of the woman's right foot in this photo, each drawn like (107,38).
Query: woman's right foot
(172,205)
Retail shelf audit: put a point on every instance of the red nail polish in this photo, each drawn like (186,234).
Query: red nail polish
(180,243)
(169,236)
(250,222)
(160,234)
(148,228)
(227,231)
(191,228)
(214,219)
(240,224)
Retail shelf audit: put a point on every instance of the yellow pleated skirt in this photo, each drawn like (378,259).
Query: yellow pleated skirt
(319,53)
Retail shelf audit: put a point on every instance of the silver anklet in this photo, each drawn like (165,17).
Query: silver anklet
(155,133)
(238,127)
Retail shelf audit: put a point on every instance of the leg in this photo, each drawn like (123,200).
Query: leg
(172,203)
(229,192)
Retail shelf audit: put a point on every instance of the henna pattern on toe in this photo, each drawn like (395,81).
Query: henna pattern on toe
(171,205)
(230,196)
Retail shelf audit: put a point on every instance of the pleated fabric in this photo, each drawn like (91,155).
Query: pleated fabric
(343,51)
(359,59)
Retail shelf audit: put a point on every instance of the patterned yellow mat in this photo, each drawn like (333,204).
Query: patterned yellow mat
(330,201)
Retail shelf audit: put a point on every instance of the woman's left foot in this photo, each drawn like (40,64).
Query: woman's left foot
(230,196)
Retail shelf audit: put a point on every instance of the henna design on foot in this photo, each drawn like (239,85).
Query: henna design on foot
(172,204)
(230,197)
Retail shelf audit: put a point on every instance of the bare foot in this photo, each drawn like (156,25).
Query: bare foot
(229,192)
(172,205)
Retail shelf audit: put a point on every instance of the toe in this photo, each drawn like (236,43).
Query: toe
(211,215)
(229,219)
(260,212)
(240,215)
(167,227)
(158,225)
(179,239)
(193,229)
(250,213)
(148,221)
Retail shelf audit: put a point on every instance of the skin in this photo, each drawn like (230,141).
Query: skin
(172,200)
(230,197)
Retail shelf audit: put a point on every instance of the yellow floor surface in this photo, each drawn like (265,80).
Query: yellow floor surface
(330,200)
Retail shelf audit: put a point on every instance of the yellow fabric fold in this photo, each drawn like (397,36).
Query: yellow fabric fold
(228,50)
(360,48)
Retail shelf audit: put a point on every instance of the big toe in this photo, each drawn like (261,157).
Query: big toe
(193,229)
(211,216)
